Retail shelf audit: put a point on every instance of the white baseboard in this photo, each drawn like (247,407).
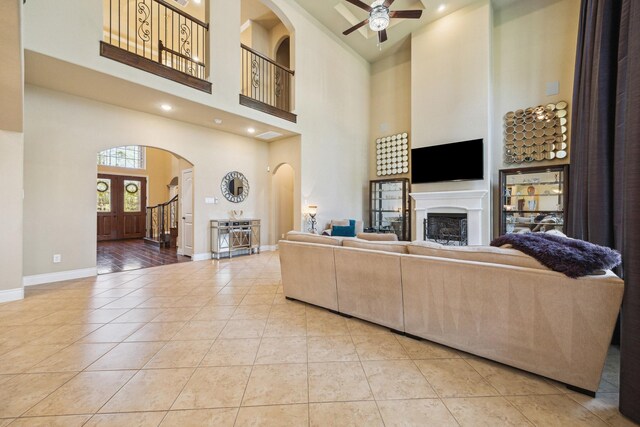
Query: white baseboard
(11,295)
(268,248)
(39,279)
(201,257)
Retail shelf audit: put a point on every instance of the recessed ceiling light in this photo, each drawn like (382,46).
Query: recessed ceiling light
(196,1)
(441,8)
(217,121)
(251,130)
(166,107)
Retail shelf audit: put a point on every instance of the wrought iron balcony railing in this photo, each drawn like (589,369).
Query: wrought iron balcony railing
(157,37)
(266,85)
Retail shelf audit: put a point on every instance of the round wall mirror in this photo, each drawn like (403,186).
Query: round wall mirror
(235,187)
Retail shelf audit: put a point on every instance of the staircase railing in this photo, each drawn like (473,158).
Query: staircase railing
(160,32)
(161,220)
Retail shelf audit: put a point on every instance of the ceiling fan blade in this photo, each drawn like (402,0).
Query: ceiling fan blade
(382,36)
(410,14)
(355,27)
(360,5)
(388,3)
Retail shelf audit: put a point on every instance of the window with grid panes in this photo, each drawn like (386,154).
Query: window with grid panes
(129,156)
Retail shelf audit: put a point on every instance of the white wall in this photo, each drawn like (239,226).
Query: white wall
(12,63)
(11,149)
(64,133)
(534,43)
(287,151)
(282,201)
(11,165)
(332,103)
(451,89)
(331,88)
(390,111)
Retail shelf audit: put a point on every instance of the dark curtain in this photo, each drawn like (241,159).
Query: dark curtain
(604,204)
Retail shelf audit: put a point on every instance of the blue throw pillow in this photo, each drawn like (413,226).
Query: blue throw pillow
(343,230)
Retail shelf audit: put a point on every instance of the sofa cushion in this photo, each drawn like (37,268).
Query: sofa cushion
(297,236)
(385,246)
(344,230)
(335,222)
(359,224)
(378,237)
(475,253)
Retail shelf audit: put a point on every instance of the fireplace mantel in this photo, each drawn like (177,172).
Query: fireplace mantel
(473,202)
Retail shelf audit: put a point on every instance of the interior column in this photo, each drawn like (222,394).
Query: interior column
(11,150)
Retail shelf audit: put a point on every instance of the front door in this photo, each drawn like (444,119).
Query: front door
(121,206)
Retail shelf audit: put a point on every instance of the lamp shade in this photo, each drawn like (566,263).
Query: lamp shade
(312,209)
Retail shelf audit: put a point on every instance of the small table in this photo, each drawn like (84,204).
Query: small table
(234,235)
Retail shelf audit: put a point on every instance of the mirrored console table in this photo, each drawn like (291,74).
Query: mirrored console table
(234,236)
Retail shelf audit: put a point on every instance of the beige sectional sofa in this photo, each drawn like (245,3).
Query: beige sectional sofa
(492,302)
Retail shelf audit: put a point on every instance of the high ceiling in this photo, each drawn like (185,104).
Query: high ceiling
(338,15)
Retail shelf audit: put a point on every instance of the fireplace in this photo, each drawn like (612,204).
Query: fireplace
(446,228)
(472,203)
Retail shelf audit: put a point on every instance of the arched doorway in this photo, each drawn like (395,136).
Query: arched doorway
(283,206)
(140,208)
(283,52)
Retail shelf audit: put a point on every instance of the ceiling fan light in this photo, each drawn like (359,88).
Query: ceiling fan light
(379,18)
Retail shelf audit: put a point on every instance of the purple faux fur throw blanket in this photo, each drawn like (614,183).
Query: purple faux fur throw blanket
(573,257)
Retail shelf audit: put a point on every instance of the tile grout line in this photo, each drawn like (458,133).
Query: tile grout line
(244,392)
(366,376)
(500,394)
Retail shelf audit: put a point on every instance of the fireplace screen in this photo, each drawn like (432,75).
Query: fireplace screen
(446,229)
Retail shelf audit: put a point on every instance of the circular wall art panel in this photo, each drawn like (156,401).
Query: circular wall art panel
(536,133)
(391,154)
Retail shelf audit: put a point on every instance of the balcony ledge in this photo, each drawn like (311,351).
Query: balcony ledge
(128,58)
(266,108)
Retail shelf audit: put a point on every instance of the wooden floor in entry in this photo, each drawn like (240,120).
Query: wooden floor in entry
(132,254)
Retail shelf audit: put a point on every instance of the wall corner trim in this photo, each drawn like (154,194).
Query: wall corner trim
(9,295)
(59,276)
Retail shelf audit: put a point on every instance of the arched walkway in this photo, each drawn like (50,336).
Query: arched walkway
(139,200)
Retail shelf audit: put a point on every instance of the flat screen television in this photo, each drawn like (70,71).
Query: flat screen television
(460,161)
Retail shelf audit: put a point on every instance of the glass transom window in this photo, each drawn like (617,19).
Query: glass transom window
(129,156)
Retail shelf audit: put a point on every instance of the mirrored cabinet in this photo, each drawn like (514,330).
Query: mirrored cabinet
(389,208)
(231,237)
(534,199)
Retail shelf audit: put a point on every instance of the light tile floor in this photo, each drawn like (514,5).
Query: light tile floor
(216,343)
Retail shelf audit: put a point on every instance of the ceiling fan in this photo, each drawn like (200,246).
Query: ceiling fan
(379,16)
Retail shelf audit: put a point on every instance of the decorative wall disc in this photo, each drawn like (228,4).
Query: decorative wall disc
(392,154)
(536,133)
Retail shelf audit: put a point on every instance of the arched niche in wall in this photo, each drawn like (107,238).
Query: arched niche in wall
(283,212)
(283,52)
